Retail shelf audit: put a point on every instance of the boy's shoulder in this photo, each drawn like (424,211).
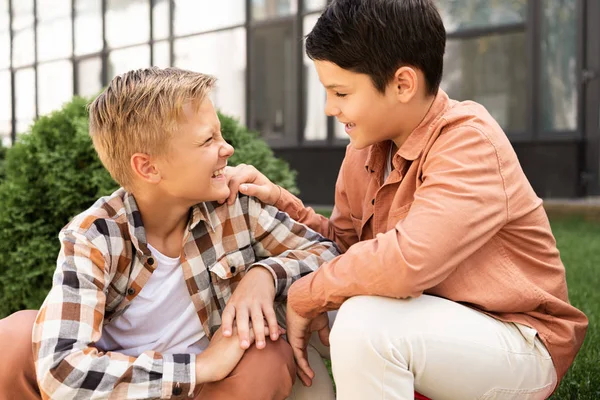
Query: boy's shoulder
(101,218)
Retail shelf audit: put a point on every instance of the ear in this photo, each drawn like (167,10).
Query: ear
(144,168)
(406,83)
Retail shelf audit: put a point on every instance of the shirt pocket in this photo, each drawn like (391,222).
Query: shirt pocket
(227,272)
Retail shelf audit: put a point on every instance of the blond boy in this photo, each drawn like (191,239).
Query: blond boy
(144,275)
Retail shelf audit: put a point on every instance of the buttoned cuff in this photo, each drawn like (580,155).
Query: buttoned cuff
(179,376)
(304,297)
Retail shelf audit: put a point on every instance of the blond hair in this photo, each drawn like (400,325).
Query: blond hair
(139,112)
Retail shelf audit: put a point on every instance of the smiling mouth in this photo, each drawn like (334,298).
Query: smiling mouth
(218,173)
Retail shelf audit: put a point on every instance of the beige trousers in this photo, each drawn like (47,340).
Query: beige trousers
(384,348)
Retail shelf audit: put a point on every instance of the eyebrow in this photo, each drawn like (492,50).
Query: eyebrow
(333,86)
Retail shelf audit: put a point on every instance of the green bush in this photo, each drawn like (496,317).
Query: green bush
(2,157)
(51,175)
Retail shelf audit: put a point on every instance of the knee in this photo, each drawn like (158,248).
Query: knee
(15,340)
(16,328)
(353,327)
(271,370)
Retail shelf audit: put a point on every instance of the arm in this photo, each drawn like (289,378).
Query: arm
(460,205)
(290,249)
(70,322)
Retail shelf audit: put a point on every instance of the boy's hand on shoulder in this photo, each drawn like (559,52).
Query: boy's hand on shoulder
(248,180)
(251,305)
(219,358)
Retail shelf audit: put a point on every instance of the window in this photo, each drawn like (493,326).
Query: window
(162,54)
(314,120)
(5,108)
(4,35)
(22,24)
(268,9)
(272,84)
(121,61)
(25,101)
(54,29)
(55,85)
(203,53)
(469,14)
(160,19)
(127,22)
(313,5)
(492,71)
(89,76)
(559,66)
(207,15)
(88,26)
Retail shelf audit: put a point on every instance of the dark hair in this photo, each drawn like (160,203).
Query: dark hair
(376,37)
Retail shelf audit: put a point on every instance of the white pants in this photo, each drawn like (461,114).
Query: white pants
(384,348)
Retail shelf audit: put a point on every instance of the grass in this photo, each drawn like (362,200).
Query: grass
(579,244)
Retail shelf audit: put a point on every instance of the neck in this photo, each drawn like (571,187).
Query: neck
(162,217)
(416,114)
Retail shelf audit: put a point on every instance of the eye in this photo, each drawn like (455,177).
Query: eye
(209,140)
(340,94)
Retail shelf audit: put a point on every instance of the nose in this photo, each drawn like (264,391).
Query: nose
(226,150)
(331,109)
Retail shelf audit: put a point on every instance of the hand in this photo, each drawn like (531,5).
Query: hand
(299,330)
(252,299)
(249,181)
(219,358)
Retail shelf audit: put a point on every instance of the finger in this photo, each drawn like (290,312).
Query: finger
(271,319)
(227,320)
(241,175)
(324,335)
(241,320)
(282,331)
(258,325)
(302,362)
(305,379)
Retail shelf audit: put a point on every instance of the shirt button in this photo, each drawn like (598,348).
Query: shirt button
(151,261)
(177,390)
(232,269)
(373,202)
(131,291)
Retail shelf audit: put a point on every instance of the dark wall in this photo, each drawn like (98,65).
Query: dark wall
(552,168)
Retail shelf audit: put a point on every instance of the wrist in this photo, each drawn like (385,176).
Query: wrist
(202,376)
(275,194)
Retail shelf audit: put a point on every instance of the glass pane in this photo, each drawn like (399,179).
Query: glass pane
(272,80)
(162,56)
(558,65)
(25,98)
(315,120)
(5,104)
(88,26)
(490,70)
(54,29)
(23,43)
(264,9)
(467,14)
(55,85)
(89,75)
(206,17)
(203,53)
(160,19)
(121,61)
(313,5)
(127,22)
(4,35)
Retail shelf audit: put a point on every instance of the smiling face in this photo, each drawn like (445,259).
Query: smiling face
(369,116)
(192,171)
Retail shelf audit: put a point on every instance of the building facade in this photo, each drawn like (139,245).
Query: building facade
(535,64)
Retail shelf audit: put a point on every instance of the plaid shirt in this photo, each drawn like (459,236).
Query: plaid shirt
(105,262)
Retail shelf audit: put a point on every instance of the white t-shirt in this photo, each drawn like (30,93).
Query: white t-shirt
(388,165)
(161,317)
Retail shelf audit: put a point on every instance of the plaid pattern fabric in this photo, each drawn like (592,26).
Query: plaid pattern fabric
(104,263)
